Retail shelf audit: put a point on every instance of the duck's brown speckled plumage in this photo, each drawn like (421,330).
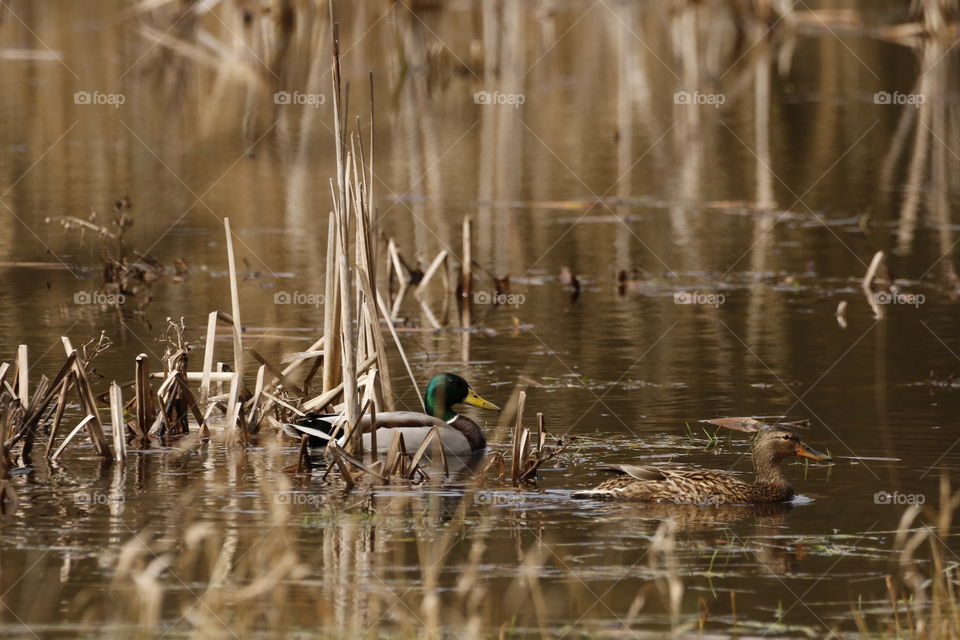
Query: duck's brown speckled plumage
(656,484)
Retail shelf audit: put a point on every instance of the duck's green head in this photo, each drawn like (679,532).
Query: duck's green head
(448,389)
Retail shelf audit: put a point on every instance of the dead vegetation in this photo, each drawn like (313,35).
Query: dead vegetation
(127,274)
(923,594)
(179,396)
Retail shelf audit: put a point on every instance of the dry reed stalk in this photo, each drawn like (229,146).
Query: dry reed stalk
(143,397)
(541,431)
(867,283)
(395,266)
(371,387)
(32,415)
(117,424)
(23,368)
(191,401)
(348,351)
(58,413)
(26,429)
(371,470)
(327,397)
(466,269)
(371,315)
(256,402)
(891,593)
(440,454)
(295,360)
(422,449)
(208,356)
(517,430)
(420,292)
(872,270)
(396,456)
(197,376)
(233,410)
(403,354)
(87,401)
(303,457)
(234,300)
(344,468)
(431,270)
(277,373)
(221,369)
(286,405)
(331,320)
(163,424)
(63,445)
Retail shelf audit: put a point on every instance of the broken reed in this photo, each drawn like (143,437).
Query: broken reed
(162,407)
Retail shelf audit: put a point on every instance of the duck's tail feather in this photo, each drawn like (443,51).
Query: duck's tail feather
(318,426)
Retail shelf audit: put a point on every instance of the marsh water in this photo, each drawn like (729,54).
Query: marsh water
(741,227)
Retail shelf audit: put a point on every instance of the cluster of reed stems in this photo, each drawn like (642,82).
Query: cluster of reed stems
(923,594)
(350,357)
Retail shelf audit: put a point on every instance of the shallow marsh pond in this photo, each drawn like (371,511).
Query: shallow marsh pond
(741,224)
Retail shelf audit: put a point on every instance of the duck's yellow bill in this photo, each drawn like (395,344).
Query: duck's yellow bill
(474,400)
(807,452)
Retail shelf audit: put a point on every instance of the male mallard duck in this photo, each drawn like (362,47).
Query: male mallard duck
(653,484)
(460,435)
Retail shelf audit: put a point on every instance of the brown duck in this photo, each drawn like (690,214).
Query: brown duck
(655,484)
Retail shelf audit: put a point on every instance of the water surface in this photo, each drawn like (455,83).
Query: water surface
(774,204)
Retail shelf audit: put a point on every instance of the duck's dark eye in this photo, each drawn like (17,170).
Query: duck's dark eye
(786,437)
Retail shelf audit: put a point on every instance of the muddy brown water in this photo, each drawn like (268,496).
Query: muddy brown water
(764,211)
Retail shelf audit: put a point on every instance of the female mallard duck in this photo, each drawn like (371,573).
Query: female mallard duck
(653,484)
(459,434)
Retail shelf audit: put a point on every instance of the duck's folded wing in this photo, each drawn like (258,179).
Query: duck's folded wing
(637,471)
(322,425)
(397,419)
(454,442)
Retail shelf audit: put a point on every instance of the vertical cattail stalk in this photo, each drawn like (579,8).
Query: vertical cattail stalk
(234,300)
(466,269)
(331,319)
(144,396)
(208,356)
(116,421)
(517,437)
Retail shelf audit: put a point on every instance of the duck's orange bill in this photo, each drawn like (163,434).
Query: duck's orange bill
(807,452)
